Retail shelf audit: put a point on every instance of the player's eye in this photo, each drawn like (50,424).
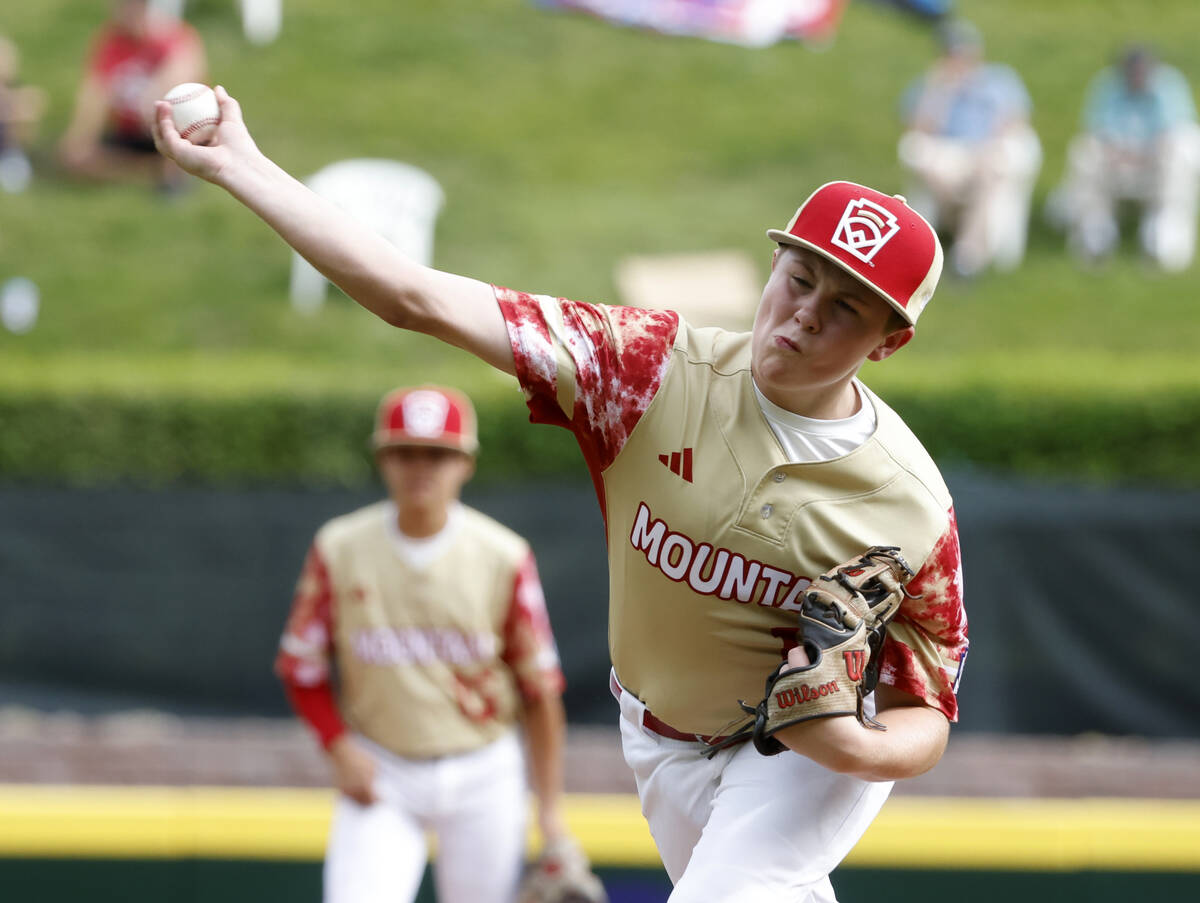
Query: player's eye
(802,281)
(846,305)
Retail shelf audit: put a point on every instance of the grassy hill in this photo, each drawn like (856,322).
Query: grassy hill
(563,144)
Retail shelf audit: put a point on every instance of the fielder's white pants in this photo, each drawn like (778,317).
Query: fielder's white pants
(742,827)
(475,804)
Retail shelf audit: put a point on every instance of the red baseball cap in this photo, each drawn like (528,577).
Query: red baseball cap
(876,238)
(426,415)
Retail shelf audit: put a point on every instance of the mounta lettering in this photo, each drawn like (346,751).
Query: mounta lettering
(712,571)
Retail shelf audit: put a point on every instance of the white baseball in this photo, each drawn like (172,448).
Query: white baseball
(195,111)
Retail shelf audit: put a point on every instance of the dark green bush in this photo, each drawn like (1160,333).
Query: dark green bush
(89,440)
(97,439)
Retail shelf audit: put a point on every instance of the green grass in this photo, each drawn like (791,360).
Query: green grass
(563,144)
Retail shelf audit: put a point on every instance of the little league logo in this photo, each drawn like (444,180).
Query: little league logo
(425,414)
(865,227)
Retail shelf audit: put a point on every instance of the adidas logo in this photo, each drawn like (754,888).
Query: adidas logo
(679,463)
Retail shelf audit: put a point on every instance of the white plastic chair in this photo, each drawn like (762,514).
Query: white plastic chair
(397,200)
(261,19)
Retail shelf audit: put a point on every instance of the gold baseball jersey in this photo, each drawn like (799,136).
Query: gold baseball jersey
(713,535)
(431,657)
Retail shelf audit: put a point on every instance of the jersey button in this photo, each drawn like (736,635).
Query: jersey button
(778,476)
(766,511)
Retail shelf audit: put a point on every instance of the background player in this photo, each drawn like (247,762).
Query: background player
(788,466)
(433,615)
(135,57)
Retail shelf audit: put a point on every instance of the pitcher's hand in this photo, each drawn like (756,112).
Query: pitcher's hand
(353,770)
(232,146)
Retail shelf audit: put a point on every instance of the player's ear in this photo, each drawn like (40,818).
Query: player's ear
(892,343)
(775,257)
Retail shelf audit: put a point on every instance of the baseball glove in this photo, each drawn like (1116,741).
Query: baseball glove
(561,874)
(843,623)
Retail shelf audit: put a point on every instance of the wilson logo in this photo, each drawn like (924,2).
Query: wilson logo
(785,699)
(679,463)
(856,663)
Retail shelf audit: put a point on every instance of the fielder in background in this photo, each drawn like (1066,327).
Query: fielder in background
(970,152)
(733,470)
(433,616)
(1140,145)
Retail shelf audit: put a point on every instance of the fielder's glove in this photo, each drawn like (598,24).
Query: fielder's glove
(843,623)
(561,874)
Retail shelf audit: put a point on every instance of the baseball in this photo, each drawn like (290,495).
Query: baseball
(195,111)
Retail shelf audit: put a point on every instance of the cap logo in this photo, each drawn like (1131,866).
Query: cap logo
(865,227)
(425,414)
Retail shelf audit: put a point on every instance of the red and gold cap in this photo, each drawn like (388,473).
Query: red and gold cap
(877,238)
(426,415)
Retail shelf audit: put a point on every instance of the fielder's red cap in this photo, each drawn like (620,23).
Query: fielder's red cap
(426,415)
(875,237)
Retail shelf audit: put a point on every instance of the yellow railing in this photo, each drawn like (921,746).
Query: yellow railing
(291,824)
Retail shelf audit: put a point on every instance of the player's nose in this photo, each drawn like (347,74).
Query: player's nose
(808,313)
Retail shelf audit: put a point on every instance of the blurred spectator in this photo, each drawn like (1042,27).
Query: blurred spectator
(136,57)
(927,9)
(21,107)
(1140,143)
(970,152)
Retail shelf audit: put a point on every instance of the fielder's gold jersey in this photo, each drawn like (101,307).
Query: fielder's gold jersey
(431,657)
(713,535)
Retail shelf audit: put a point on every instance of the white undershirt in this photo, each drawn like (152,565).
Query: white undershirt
(806,440)
(421,552)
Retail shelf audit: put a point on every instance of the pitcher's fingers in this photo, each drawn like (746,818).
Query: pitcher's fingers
(165,133)
(230,108)
(798,657)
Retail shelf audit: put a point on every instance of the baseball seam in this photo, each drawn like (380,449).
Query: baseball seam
(197,125)
(199,92)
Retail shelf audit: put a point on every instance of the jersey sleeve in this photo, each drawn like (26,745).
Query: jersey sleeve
(591,368)
(926,646)
(528,643)
(303,661)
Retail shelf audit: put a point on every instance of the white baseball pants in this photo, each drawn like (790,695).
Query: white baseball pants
(742,827)
(476,806)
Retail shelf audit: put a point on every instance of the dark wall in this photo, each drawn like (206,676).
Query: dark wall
(1083,614)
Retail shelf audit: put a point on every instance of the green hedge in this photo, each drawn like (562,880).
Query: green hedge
(97,438)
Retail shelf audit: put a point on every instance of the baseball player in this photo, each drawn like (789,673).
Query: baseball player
(433,617)
(733,470)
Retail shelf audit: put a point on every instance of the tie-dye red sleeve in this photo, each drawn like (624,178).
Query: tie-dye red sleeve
(590,368)
(528,642)
(927,643)
(306,647)
(305,651)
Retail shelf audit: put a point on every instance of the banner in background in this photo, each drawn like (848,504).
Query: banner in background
(751,23)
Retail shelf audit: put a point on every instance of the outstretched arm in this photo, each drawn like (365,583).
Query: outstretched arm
(455,309)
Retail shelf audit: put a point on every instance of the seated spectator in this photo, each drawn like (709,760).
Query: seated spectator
(21,107)
(1140,143)
(970,152)
(137,56)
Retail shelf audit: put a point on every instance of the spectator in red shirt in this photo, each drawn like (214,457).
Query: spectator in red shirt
(136,57)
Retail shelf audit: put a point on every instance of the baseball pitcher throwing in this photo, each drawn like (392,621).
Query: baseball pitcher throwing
(779,541)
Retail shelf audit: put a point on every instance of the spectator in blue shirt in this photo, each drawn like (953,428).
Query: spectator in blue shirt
(970,152)
(1140,143)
